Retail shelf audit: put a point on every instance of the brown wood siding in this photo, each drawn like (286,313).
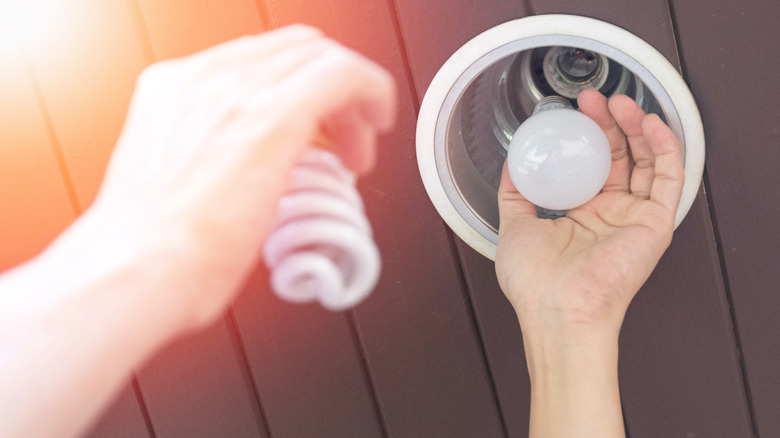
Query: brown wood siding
(677,338)
(34,200)
(124,418)
(725,60)
(436,351)
(432,33)
(416,331)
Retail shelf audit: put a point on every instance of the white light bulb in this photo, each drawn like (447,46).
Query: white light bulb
(559,158)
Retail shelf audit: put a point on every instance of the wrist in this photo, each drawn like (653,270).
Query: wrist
(574,383)
(120,267)
(78,320)
(559,351)
(569,315)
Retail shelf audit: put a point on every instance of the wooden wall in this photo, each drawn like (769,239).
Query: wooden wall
(436,351)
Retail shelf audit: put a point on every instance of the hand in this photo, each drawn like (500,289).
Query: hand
(571,279)
(210,141)
(582,271)
(188,199)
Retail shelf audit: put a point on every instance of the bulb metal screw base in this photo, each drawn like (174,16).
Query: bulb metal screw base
(552,102)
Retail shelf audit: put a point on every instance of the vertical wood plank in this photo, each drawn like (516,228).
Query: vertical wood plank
(434,32)
(306,366)
(726,50)
(677,337)
(86,58)
(182,27)
(86,55)
(207,369)
(122,419)
(34,203)
(303,360)
(423,352)
(679,368)
(431,35)
(197,387)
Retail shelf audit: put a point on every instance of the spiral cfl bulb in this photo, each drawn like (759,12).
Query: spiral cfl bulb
(558,158)
(320,247)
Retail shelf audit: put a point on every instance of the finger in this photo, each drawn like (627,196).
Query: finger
(275,68)
(245,81)
(669,173)
(355,139)
(252,48)
(594,105)
(341,80)
(629,117)
(510,202)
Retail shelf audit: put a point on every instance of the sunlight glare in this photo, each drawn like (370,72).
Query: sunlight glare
(36,23)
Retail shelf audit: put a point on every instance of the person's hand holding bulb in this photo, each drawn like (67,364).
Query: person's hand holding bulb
(571,280)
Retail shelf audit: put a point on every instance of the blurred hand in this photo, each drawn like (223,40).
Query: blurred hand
(580,272)
(210,141)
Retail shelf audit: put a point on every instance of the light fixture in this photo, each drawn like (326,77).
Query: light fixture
(478,100)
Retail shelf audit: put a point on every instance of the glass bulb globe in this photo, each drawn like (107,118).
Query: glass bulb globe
(559,159)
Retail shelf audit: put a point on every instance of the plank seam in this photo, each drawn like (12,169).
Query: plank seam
(142,406)
(475,324)
(56,146)
(718,244)
(67,179)
(457,259)
(141,31)
(265,15)
(246,373)
(353,328)
(527,5)
(730,301)
(405,55)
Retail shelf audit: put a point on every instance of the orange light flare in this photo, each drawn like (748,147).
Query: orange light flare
(8,41)
(37,25)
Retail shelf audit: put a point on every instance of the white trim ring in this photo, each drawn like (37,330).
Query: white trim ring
(541,25)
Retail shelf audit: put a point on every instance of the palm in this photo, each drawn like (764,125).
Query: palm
(597,257)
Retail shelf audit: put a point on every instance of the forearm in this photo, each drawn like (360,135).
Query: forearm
(75,322)
(574,385)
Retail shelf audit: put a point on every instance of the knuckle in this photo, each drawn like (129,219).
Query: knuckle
(150,77)
(340,56)
(660,221)
(327,47)
(200,63)
(619,152)
(303,29)
(149,74)
(346,59)
(678,173)
(673,174)
(245,39)
(159,70)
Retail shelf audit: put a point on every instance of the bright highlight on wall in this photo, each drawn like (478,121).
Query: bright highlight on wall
(34,23)
(7,38)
